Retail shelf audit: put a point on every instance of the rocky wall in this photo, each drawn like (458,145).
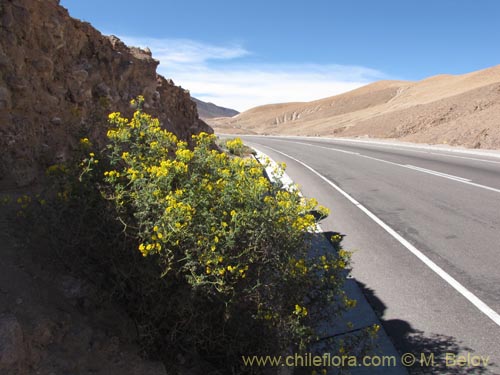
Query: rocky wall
(60,77)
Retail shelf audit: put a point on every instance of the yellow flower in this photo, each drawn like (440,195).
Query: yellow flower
(299,310)
(143,249)
(85,142)
(113,115)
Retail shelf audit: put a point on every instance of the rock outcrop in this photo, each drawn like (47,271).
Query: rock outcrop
(60,77)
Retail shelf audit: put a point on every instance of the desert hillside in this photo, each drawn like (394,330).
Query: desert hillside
(458,110)
(210,110)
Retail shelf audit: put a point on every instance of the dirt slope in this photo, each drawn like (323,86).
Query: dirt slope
(458,110)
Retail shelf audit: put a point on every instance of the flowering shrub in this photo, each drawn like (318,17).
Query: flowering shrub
(235,146)
(217,224)
(208,257)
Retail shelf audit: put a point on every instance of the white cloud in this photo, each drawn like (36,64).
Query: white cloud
(185,51)
(233,84)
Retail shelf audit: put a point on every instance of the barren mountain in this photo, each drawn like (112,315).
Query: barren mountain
(458,110)
(210,110)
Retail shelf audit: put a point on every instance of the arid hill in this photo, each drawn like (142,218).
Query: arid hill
(457,110)
(210,110)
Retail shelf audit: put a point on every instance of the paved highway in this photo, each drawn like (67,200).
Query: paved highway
(424,225)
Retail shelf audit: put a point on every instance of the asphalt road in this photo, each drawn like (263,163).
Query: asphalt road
(435,279)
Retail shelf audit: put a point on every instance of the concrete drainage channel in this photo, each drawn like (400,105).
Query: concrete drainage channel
(384,360)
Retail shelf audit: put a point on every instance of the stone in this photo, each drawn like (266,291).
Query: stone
(5,99)
(4,60)
(12,351)
(72,287)
(24,172)
(55,121)
(102,89)
(43,65)
(80,75)
(7,19)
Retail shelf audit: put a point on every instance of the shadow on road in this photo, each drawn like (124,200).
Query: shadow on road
(436,348)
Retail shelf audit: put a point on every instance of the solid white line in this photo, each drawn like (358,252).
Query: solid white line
(489,153)
(485,309)
(440,174)
(458,179)
(409,149)
(396,146)
(465,157)
(329,148)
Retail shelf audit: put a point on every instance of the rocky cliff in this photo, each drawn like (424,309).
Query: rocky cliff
(60,77)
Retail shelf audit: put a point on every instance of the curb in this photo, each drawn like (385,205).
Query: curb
(362,315)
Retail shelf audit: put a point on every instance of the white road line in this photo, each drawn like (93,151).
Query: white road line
(410,148)
(487,153)
(330,148)
(440,174)
(465,157)
(418,169)
(484,308)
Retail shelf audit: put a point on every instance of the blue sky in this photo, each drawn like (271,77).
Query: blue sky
(243,53)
